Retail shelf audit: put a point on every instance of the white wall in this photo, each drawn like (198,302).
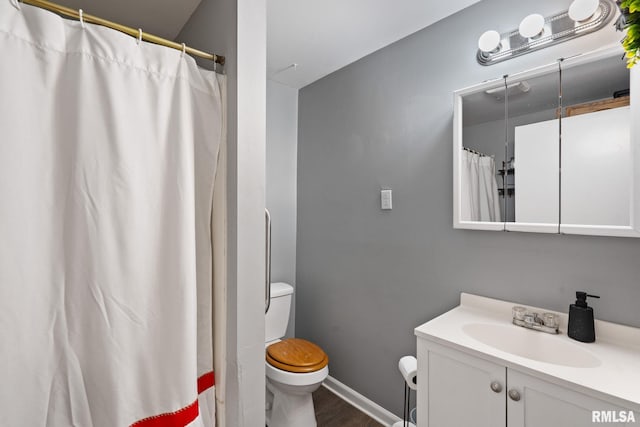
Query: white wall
(281,170)
(237,30)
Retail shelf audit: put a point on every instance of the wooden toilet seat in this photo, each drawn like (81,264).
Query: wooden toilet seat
(296,355)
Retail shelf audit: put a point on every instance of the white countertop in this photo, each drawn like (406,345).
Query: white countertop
(616,352)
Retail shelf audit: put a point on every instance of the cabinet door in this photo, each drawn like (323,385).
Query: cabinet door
(458,390)
(599,159)
(542,404)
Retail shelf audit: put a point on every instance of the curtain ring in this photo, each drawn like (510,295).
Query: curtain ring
(81,17)
(15,4)
(139,35)
(184,49)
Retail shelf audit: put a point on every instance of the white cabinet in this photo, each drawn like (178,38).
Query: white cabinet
(543,404)
(457,389)
(565,149)
(460,390)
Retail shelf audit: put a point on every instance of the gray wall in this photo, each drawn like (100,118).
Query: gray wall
(281,162)
(365,277)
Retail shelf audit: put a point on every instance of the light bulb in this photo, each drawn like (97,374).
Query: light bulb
(531,26)
(581,10)
(489,41)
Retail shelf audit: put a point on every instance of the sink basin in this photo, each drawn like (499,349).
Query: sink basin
(533,345)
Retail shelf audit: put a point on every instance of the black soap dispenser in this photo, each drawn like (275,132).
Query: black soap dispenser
(581,325)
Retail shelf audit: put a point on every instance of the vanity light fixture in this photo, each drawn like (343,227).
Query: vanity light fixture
(536,31)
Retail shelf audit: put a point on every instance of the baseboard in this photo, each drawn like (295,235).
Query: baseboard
(367,406)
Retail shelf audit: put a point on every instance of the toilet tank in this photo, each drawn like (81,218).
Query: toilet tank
(277,318)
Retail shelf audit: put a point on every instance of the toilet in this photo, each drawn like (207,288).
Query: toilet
(294,367)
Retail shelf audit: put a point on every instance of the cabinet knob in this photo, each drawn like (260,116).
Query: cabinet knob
(496,386)
(514,394)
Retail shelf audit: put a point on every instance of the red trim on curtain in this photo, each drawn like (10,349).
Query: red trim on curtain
(206,381)
(181,417)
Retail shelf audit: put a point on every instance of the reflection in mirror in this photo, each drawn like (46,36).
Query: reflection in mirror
(530,174)
(483,148)
(596,145)
(552,149)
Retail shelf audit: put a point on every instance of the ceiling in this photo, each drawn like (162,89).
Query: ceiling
(319,36)
(324,36)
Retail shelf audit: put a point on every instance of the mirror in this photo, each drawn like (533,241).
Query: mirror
(550,149)
(596,144)
(495,133)
(483,149)
(533,126)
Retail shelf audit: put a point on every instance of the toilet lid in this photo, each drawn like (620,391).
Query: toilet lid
(296,355)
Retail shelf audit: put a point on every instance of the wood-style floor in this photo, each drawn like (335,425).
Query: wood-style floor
(332,411)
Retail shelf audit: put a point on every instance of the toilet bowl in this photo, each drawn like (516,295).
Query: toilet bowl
(289,397)
(294,367)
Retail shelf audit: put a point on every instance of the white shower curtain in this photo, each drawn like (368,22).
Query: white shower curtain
(479,188)
(108,151)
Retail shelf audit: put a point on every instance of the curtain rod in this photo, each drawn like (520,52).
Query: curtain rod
(124,29)
(475,152)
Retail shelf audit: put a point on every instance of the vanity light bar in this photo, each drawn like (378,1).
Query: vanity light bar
(556,29)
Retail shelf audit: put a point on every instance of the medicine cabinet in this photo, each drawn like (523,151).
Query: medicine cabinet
(553,149)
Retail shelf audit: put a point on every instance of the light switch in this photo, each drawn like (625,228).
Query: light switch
(385,199)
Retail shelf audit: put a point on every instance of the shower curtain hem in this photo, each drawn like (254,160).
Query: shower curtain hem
(183,416)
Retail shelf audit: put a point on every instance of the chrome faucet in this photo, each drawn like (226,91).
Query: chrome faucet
(547,322)
(533,319)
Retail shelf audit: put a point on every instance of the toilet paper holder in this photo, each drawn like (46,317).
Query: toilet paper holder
(408,366)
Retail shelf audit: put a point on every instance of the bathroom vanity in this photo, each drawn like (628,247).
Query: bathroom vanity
(476,368)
